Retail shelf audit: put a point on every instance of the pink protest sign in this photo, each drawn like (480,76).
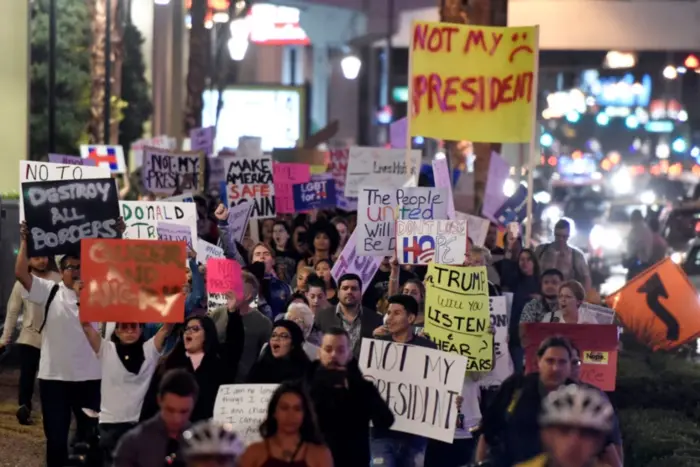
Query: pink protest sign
(397,133)
(441,173)
(349,262)
(499,170)
(285,176)
(223,276)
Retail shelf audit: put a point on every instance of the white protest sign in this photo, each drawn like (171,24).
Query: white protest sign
(382,167)
(110,156)
(349,262)
(160,142)
(142,217)
(31,171)
(215,300)
(477,227)
(441,174)
(206,250)
(174,233)
(244,406)
(164,171)
(422,203)
(419,384)
(503,366)
(183,198)
(249,146)
(238,217)
(249,180)
(439,241)
(597,314)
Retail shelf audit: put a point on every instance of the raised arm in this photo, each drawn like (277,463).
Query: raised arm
(93,337)
(22,265)
(161,335)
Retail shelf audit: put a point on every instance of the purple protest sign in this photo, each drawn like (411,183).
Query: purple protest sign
(238,217)
(71,160)
(397,133)
(499,170)
(441,173)
(202,139)
(349,262)
(174,233)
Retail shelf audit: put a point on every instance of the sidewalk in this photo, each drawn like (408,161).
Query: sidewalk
(21,446)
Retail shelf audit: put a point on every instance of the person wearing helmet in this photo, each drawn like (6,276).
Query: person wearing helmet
(574,423)
(212,444)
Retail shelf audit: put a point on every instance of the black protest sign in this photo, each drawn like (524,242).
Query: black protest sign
(165,172)
(61,213)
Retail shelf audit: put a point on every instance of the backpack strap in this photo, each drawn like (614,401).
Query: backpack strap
(52,295)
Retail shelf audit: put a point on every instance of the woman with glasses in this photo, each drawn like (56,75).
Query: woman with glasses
(284,358)
(199,352)
(128,362)
(571,297)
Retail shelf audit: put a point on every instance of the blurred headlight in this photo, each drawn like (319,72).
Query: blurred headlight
(648,197)
(608,239)
(677,257)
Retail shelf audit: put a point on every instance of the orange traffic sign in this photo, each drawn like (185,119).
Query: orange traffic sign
(660,306)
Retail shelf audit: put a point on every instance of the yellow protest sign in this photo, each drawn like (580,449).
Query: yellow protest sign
(473,82)
(457,313)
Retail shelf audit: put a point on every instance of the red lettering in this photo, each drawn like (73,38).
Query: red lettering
(433,38)
(434,91)
(420,87)
(450,90)
(419,35)
(476,38)
(477,99)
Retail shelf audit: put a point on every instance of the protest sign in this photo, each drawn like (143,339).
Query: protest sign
(175,233)
(514,209)
(249,146)
(457,313)
(31,171)
(238,217)
(339,169)
(660,306)
(286,175)
(217,172)
(160,142)
(397,133)
(111,157)
(61,213)
(349,262)
(132,281)
(477,227)
(71,160)
(183,198)
(380,167)
(597,344)
(422,242)
(319,193)
(215,300)
(463,192)
(165,172)
(202,139)
(470,83)
(443,179)
(499,171)
(597,314)
(503,366)
(250,181)
(420,385)
(244,407)
(142,217)
(223,276)
(207,251)
(423,203)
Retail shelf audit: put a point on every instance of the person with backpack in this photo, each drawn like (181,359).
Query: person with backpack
(563,257)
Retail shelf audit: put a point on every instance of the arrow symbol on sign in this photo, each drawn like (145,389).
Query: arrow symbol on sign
(654,290)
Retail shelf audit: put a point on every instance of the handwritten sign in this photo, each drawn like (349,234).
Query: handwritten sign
(286,175)
(250,181)
(473,82)
(238,217)
(207,251)
(71,160)
(443,179)
(202,139)
(503,366)
(457,313)
(224,275)
(175,233)
(477,227)
(422,242)
(183,198)
(164,172)
(132,281)
(339,169)
(111,157)
(30,171)
(244,407)
(319,193)
(160,142)
(349,262)
(422,203)
(597,344)
(142,218)
(433,378)
(215,300)
(61,213)
(380,167)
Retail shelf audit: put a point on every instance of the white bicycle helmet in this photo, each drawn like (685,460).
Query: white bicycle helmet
(577,406)
(211,438)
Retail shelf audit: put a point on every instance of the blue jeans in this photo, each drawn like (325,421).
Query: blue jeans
(392,452)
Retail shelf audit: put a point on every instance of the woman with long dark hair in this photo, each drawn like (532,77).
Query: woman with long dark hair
(286,258)
(290,434)
(284,358)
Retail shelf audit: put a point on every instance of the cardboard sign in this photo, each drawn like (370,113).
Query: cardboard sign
(142,217)
(286,175)
(250,181)
(660,306)
(223,276)
(132,281)
(244,407)
(111,157)
(433,379)
(597,344)
(71,160)
(175,233)
(422,242)
(202,139)
(380,167)
(491,104)
(503,366)
(457,313)
(207,251)
(443,179)
(165,172)
(31,171)
(477,227)
(60,214)
(349,262)
(319,193)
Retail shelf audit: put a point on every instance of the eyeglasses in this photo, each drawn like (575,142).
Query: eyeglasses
(567,297)
(71,267)
(576,362)
(283,336)
(192,329)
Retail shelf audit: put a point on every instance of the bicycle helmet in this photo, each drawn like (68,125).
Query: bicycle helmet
(577,406)
(211,438)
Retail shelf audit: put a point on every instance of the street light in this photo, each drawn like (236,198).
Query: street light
(238,44)
(351,64)
(161,2)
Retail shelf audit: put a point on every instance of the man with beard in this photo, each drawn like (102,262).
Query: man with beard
(345,402)
(537,309)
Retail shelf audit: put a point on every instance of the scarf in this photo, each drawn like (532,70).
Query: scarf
(131,355)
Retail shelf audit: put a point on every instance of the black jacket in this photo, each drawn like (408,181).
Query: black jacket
(370,320)
(344,414)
